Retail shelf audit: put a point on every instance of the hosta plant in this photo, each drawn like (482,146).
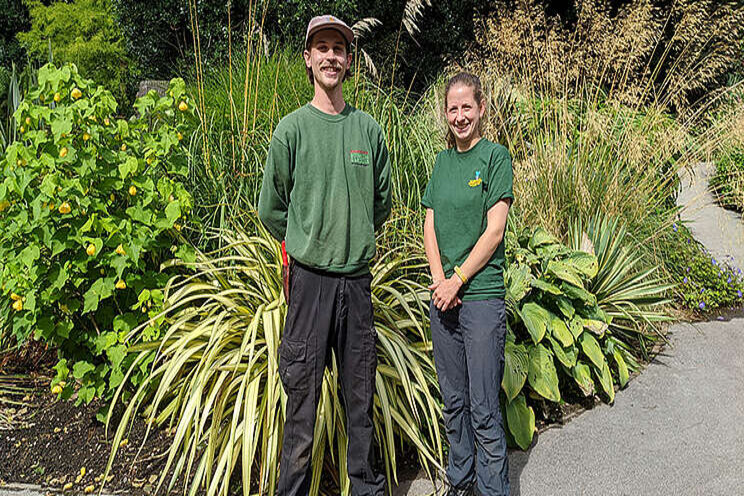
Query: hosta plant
(214,381)
(89,206)
(558,333)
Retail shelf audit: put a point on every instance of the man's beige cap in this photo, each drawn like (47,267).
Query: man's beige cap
(325,22)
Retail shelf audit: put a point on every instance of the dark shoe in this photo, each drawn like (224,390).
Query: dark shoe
(467,491)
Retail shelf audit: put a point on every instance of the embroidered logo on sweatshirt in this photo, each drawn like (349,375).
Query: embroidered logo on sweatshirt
(359,157)
(475,182)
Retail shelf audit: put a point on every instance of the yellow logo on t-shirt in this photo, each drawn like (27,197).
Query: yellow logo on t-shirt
(475,182)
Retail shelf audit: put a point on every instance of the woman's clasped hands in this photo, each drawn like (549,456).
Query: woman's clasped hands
(445,292)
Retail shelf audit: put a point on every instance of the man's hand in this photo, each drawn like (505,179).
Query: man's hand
(445,293)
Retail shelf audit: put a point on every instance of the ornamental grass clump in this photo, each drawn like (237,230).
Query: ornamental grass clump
(213,374)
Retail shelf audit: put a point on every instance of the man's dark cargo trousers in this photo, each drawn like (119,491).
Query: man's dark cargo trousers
(328,312)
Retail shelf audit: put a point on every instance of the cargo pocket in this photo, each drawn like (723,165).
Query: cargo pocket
(369,350)
(293,368)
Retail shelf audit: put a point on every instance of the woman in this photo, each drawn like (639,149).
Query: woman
(467,201)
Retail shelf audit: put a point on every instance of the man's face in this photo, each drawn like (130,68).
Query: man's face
(327,58)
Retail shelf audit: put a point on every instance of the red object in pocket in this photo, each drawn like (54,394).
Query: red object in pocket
(285,272)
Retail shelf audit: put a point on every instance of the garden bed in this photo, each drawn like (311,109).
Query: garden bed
(49,442)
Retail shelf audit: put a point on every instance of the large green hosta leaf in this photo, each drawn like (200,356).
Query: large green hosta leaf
(605,379)
(584,263)
(578,293)
(541,237)
(622,368)
(520,419)
(567,356)
(536,320)
(582,374)
(576,326)
(545,286)
(516,364)
(560,331)
(517,281)
(542,375)
(565,306)
(564,272)
(591,348)
(596,326)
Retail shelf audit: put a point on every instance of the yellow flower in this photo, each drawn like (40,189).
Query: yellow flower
(86,136)
(179,136)
(149,160)
(183,107)
(64,208)
(132,190)
(63,152)
(106,121)
(112,197)
(51,206)
(121,284)
(177,227)
(23,129)
(15,297)
(28,120)
(123,147)
(4,204)
(18,305)
(57,389)
(120,250)
(76,93)
(91,250)
(57,97)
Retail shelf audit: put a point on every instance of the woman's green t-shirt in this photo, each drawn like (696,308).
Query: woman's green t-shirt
(462,188)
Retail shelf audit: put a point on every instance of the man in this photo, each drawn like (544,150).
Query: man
(326,189)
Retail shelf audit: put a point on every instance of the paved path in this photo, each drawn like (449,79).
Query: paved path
(720,230)
(678,428)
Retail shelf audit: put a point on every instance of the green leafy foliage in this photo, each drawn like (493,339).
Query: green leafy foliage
(82,32)
(559,332)
(15,18)
(89,206)
(704,282)
(728,180)
(158,33)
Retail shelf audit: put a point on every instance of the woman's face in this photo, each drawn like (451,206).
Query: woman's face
(464,113)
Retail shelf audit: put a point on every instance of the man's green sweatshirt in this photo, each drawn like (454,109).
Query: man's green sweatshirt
(326,188)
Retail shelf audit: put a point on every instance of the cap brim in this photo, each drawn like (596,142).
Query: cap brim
(347,33)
